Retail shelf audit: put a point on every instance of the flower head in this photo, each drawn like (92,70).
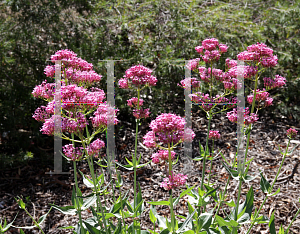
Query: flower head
(214,135)
(162,155)
(95,146)
(173,181)
(74,154)
(137,75)
(291,133)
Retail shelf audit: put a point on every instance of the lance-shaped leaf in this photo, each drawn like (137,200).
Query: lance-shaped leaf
(264,184)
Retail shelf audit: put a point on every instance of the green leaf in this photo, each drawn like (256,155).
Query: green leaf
(205,220)
(230,203)
(221,222)
(281,230)
(189,232)
(278,190)
(68,227)
(43,217)
(68,210)
(264,184)
(89,202)
(88,182)
(232,172)
(152,217)
(167,203)
(130,163)
(91,229)
(272,224)
(186,221)
(224,159)
(119,182)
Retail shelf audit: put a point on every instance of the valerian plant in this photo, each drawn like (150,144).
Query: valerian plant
(81,103)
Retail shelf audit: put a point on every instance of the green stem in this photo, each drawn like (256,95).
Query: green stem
(170,191)
(90,162)
(206,147)
(287,230)
(212,154)
(253,222)
(252,110)
(110,176)
(104,192)
(134,161)
(122,214)
(77,189)
(225,190)
(36,224)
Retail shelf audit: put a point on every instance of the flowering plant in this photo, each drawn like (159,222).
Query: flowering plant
(79,100)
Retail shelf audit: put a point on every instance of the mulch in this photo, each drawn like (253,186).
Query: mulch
(44,189)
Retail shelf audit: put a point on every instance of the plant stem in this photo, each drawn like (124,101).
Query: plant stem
(287,230)
(206,147)
(170,191)
(104,193)
(122,209)
(212,154)
(77,188)
(253,222)
(90,162)
(36,224)
(137,121)
(252,110)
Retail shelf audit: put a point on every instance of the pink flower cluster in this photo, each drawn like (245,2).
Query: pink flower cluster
(209,51)
(261,95)
(137,75)
(44,90)
(166,128)
(248,71)
(291,133)
(141,113)
(94,147)
(259,53)
(132,102)
(138,113)
(173,181)
(41,114)
(189,82)
(70,59)
(74,154)
(104,115)
(193,64)
(214,135)
(277,82)
(248,119)
(206,101)
(162,155)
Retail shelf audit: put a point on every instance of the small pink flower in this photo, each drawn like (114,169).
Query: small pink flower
(214,135)
(199,49)
(74,154)
(95,146)
(133,102)
(193,64)
(162,155)
(223,48)
(173,181)
(291,133)
(137,75)
(189,82)
(141,113)
(268,102)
